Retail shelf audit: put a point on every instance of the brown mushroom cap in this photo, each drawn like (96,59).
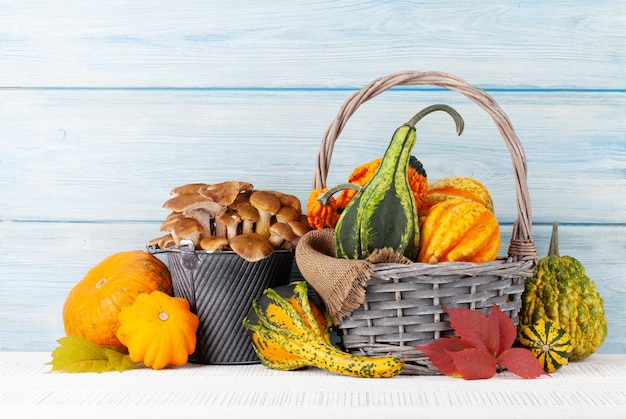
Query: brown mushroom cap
(194,205)
(249,215)
(280,233)
(213,243)
(166,241)
(265,201)
(251,246)
(268,204)
(163,241)
(204,212)
(299,228)
(202,216)
(172,218)
(222,193)
(179,202)
(290,201)
(231,220)
(242,199)
(286,214)
(186,229)
(190,188)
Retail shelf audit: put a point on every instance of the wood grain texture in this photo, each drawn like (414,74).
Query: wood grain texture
(41,262)
(107,105)
(115,155)
(296,43)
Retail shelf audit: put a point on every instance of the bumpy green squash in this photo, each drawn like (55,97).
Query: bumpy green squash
(383,213)
(289,332)
(561,291)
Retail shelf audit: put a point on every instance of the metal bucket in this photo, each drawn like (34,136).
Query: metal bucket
(220,288)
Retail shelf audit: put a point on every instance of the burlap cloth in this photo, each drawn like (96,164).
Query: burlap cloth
(340,283)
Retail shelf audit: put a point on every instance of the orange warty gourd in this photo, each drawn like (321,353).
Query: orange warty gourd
(91,308)
(459,230)
(455,187)
(158,330)
(318,215)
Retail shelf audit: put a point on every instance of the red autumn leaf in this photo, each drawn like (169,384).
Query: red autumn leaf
(474,363)
(439,353)
(484,342)
(474,327)
(506,330)
(521,362)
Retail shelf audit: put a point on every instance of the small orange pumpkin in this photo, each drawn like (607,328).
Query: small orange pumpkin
(91,308)
(158,330)
(318,215)
(459,230)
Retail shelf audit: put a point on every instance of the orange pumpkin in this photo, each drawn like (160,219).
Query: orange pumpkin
(459,230)
(158,330)
(318,215)
(91,308)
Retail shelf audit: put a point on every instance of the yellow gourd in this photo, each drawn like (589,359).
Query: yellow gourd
(455,187)
(158,330)
(459,230)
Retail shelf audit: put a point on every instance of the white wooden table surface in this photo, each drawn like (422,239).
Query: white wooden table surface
(592,388)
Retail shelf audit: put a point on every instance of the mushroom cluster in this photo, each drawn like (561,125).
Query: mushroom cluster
(232,216)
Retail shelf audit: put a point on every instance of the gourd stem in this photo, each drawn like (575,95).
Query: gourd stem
(458,120)
(324,198)
(553,250)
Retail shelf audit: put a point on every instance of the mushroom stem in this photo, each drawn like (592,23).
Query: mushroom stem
(263,224)
(220,229)
(231,231)
(247,226)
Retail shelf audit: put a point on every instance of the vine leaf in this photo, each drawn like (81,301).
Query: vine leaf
(77,355)
(483,345)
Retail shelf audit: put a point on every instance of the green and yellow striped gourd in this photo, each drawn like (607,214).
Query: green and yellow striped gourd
(550,343)
(383,213)
(289,332)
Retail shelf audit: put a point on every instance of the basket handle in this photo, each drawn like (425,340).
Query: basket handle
(521,247)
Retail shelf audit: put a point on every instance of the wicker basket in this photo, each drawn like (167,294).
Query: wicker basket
(404,303)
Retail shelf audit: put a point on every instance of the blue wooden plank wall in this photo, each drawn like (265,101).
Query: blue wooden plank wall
(107,105)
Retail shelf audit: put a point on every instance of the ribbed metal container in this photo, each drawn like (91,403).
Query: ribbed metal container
(220,287)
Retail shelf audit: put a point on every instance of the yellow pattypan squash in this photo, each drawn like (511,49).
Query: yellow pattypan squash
(158,330)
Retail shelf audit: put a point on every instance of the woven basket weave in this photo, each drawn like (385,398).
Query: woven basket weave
(404,304)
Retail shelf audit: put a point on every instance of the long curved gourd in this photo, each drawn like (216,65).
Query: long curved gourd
(383,213)
(289,332)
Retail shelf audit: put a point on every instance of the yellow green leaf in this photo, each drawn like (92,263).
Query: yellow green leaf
(76,355)
(118,361)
